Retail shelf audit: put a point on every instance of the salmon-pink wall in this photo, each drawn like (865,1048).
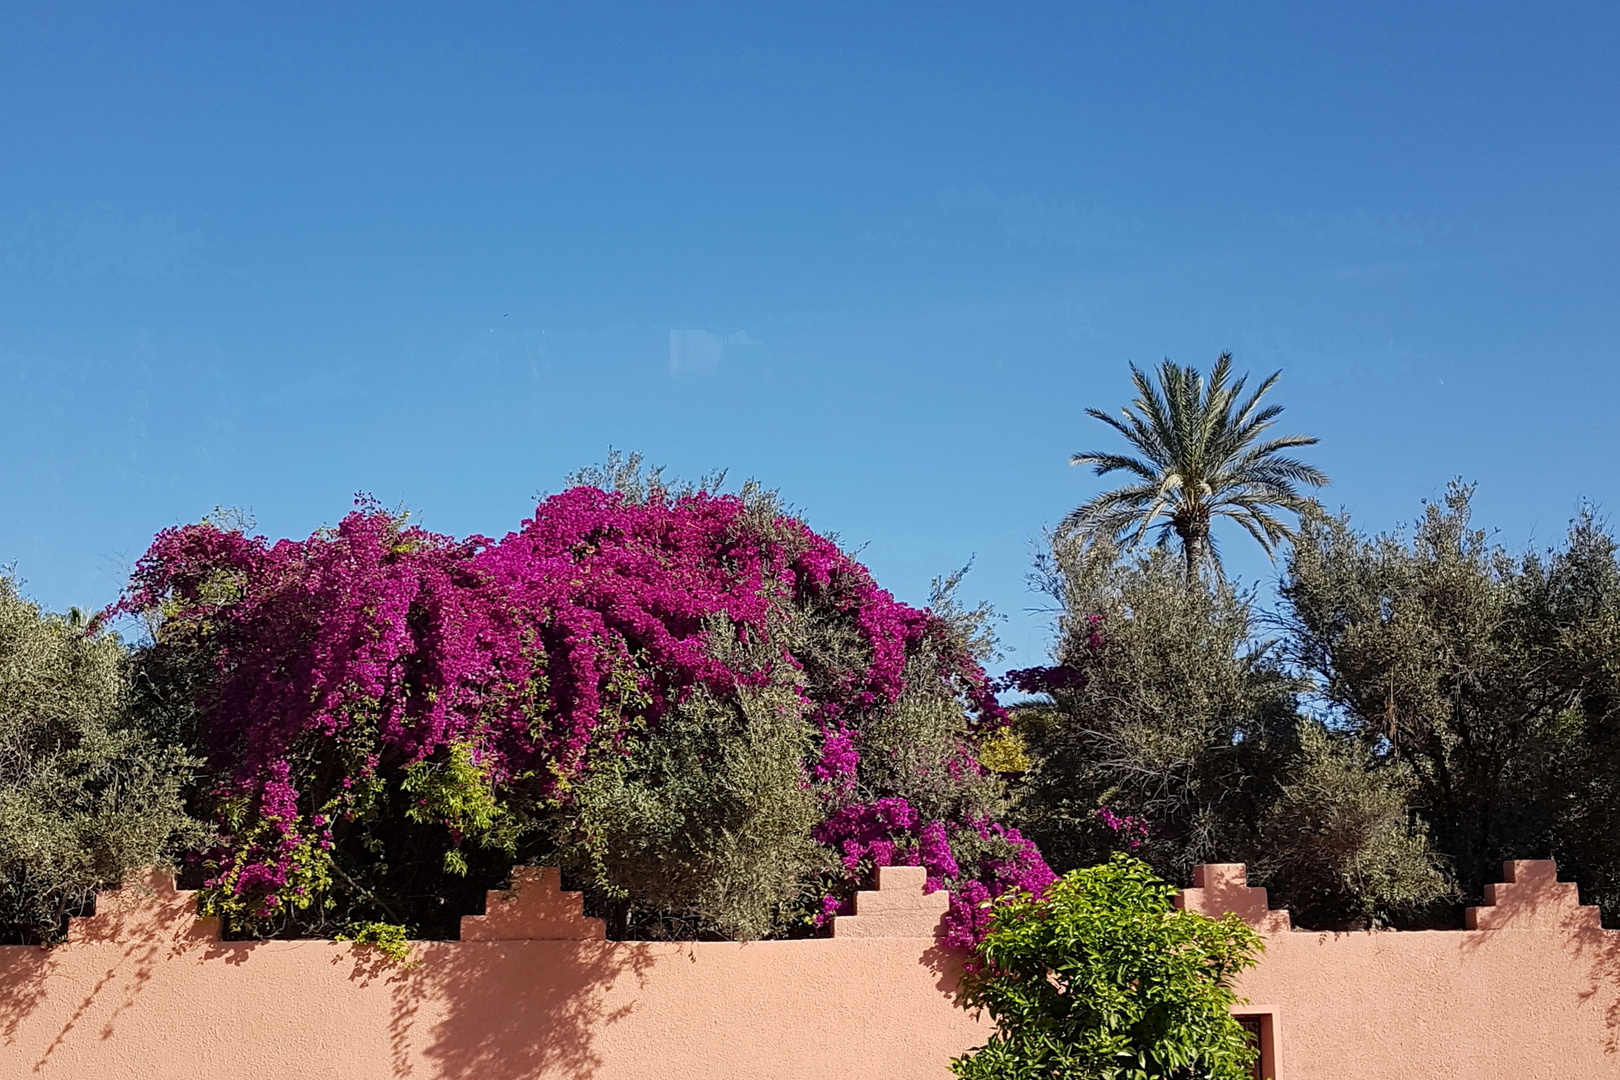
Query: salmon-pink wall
(144,989)
(1530,992)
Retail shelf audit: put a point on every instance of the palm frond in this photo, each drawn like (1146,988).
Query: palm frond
(1242,435)
(1279,470)
(1243,414)
(1156,423)
(1136,431)
(1202,453)
(1280,442)
(1104,463)
(1255,531)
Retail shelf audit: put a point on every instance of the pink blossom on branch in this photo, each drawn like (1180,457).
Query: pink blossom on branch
(384,643)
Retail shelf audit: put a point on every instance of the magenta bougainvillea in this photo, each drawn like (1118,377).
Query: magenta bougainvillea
(1130,829)
(371,647)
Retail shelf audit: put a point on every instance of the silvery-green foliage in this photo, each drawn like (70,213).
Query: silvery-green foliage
(1179,718)
(85,796)
(1491,680)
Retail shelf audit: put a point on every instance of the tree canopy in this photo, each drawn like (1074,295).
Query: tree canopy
(1203,454)
(86,795)
(1420,706)
(1491,679)
(717,722)
(1170,728)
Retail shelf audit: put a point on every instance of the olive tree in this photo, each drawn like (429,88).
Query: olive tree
(85,795)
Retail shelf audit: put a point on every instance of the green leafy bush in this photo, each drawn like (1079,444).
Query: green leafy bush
(85,796)
(388,939)
(1170,728)
(1102,979)
(1488,679)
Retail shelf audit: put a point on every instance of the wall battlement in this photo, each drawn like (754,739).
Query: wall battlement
(143,988)
(1221,888)
(535,908)
(1532,898)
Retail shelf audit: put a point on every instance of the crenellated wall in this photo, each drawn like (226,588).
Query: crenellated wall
(145,989)
(1529,991)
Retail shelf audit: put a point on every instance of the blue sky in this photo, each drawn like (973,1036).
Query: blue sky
(268,256)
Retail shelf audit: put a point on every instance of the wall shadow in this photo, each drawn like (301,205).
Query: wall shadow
(22,988)
(24,972)
(146,922)
(513,1010)
(1532,900)
(1599,950)
(946,964)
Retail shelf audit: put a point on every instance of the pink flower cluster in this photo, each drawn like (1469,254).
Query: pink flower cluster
(890,832)
(1130,829)
(1060,677)
(384,643)
(1021,869)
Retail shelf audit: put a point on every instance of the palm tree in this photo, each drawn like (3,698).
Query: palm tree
(1202,457)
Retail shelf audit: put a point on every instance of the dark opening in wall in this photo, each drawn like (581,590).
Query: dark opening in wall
(1261,1029)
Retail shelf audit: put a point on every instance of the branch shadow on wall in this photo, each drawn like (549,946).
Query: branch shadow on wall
(510,1010)
(24,972)
(1600,951)
(147,923)
(1542,904)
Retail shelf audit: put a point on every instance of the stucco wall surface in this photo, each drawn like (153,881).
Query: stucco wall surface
(144,989)
(1532,992)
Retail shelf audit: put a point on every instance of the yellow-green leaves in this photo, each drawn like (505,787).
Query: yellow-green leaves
(459,793)
(387,938)
(1102,978)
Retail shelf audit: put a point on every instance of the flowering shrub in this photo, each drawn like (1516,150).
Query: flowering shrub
(627,685)
(1130,829)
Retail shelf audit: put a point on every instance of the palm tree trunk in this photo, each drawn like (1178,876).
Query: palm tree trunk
(1193,544)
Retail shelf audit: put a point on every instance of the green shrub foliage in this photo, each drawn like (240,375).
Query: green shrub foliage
(1169,728)
(1489,682)
(85,795)
(1102,979)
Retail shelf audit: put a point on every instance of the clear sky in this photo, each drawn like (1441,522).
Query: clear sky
(879,256)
